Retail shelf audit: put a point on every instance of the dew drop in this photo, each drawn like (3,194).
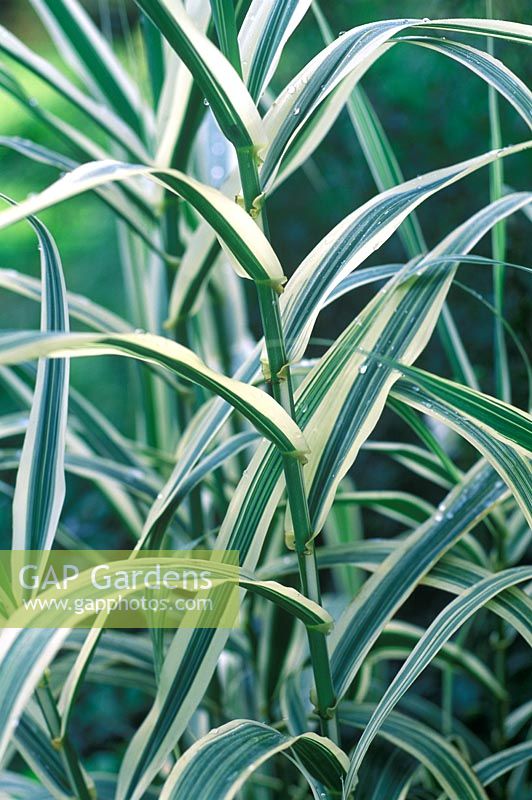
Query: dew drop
(296,111)
(205,101)
(217,173)
(362,368)
(438,517)
(139,330)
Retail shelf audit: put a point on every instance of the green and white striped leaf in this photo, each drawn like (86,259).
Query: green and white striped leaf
(401,506)
(290,600)
(492,767)
(74,137)
(212,461)
(255,404)
(500,420)
(14,785)
(399,638)
(198,436)
(450,574)
(437,755)
(494,72)
(329,260)
(262,37)
(35,746)
(244,528)
(95,469)
(177,690)
(125,200)
(69,23)
(40,485)
(391,779)
(100,114)
(219,763)
(485,431)
(485,66)
(357,236)
(79,306)
(189,284)
(399,320)
(172,108)
(344,392)
(351,54)
(499,28)
(252,252)
(398,575)
(21,674)
(441,629)
(518,718)
(377,150)
(382,162)
(97,435)
(221,85)
(386,172)
(420,461)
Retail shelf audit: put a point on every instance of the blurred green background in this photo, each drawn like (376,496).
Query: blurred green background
(435,113)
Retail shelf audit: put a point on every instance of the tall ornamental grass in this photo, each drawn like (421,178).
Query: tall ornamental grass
(252,445)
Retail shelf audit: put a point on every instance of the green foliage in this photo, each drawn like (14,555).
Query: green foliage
(241,411)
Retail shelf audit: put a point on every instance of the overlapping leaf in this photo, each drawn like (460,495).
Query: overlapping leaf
(252,252)
(222,760)
(259,407)
(222,87)
(40,486)
(441,629)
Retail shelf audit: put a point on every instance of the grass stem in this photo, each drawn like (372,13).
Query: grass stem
(62,743)
(295,487)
